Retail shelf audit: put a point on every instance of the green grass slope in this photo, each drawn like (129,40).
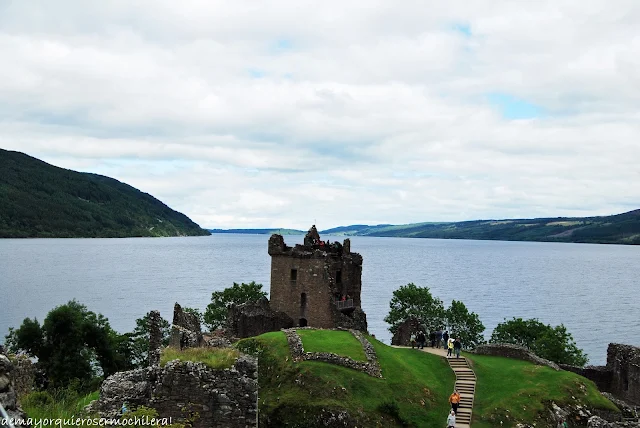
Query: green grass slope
(341,343)
(414,390)
(38,200)
(509,391)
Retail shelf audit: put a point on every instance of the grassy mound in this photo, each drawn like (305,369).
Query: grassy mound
(414,390)
(341,343)
(215,358)
(524,389)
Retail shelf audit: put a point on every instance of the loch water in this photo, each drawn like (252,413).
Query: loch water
(591,289)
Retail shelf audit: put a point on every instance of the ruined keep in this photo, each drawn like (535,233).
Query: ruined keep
(318,284)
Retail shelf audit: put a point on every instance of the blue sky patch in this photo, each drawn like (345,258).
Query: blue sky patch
(463,28)
(512,107)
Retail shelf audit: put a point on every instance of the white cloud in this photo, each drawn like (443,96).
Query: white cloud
(249,114)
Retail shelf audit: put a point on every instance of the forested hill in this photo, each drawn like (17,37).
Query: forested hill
(615,229)
(38,200)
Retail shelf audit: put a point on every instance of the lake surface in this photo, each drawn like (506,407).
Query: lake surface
(591,289)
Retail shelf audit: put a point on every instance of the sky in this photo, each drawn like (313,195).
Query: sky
(279,113)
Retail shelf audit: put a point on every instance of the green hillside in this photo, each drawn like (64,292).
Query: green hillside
(414,391)
(615,229)
(38,200)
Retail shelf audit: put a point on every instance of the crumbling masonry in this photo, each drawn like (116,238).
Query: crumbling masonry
(318,284)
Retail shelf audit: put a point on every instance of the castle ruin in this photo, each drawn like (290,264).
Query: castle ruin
(318,284)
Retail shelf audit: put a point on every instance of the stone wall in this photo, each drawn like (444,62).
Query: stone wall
(24,375)
(220,398)
(621,375)
(8,396)
(307,280)
(186,331)
(371,367)
(624,363)
(402,335)
(513,351)
(254,319)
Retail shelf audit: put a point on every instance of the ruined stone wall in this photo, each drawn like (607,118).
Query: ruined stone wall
(513,351)
(323,273)
(286,295)
(185,330)
(254,319)
(187,391)
(624,363)
(8,396)
(621,375)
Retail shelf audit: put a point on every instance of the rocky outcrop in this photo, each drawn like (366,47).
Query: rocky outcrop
(187,391)
(8,396)
(598,422)
(186,331)
(513,351)
(254,319)
(402,335)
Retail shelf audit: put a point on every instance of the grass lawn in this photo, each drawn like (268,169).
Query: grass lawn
(415,388)
(341,343)
(523,388)
(216,358)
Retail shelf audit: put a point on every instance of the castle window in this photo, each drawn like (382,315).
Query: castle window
(294,276)
(338,277)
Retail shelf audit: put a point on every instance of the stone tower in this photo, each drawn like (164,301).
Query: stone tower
(318,283)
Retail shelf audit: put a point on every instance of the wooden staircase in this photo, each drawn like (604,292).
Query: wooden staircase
(466,386)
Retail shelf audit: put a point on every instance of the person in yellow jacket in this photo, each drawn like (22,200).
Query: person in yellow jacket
(454,399)
(449,348)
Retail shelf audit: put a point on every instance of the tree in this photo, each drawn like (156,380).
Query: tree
(553,343)
(413,301)
(216,314)
(71,342)
(465,325)
(139,340)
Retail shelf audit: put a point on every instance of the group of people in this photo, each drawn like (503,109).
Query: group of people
(437,339)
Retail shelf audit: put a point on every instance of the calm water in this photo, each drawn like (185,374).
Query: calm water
(592,289)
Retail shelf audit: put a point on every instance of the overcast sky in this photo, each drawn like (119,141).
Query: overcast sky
(284,113)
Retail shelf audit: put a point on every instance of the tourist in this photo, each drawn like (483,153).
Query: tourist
(454,399)
(438,337)
(457,346)
(562,423)
(445,337)
(451,420)
(449,347)
(421,339)
(432,338)
(412,339)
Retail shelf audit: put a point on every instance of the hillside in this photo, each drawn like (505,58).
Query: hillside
(271,231)
(615,229)
(38,200)
(414,390)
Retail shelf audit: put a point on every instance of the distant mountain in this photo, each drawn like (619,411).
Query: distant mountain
(280,231)
(38,200)
(615,229)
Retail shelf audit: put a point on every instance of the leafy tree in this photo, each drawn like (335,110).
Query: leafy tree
(413,301)
(139,340)
(553,343)
(70,343)
(465,325)
(216,314)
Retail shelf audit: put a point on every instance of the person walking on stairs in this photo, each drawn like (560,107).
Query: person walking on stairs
(457,346)
(451,420)
(454,399)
